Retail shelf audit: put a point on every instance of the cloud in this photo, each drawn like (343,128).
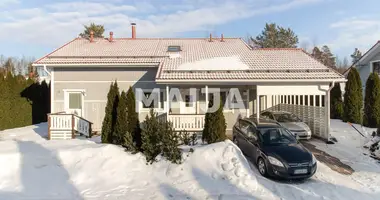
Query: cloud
(355,32)
(55,23)
(4,3)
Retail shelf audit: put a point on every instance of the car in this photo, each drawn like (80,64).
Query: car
(289,121)
(274,149)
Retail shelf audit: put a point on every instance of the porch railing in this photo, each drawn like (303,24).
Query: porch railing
(187,122)
(63,126)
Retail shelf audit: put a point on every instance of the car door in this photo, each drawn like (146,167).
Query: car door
(241,135)
(252,144)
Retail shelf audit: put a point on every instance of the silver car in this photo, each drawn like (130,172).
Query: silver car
(289,121)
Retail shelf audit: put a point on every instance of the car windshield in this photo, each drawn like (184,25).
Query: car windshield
(276,136)
(287,117)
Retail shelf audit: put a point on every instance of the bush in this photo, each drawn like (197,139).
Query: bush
(353,98)
(23,101)
(110,116)
(336,102)
(215,126)
(185,137)
(194,138)
(133,123)
(159,138)
(372,101)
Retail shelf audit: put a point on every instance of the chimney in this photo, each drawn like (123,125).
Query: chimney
(91,36)
(111,37)
(222,38)
(210,40)
(133,30)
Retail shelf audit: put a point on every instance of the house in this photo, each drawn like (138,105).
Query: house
(82,70)
(367,64)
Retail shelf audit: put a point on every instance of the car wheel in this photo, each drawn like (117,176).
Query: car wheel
(262,167)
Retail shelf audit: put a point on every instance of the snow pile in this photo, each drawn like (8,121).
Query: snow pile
(76,169)
(34,168)
(218,63)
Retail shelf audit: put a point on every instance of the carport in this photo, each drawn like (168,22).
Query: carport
(311,102)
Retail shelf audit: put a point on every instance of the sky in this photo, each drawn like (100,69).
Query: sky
(37,27)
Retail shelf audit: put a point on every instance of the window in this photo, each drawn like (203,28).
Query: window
(174,48)
(376,67)
(276,136)
(189,100)
(244,125)
(75,101)
(287,117)
(267,115)
(152,104)
(223,96)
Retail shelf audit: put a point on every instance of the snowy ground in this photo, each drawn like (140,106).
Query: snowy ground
(33,168)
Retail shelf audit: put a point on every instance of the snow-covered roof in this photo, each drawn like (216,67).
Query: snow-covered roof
(199,59)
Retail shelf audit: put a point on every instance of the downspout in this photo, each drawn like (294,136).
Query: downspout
(328,111)
(45,69)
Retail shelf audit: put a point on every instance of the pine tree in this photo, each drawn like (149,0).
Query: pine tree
(317,54)
(170,142)
(353,98)
(151,137)
(327,57)
(120,129)
(109,120)
(97,29)
(356,55)
(133,123)
(336,102)
(274,36)
(372,101)
(215,126)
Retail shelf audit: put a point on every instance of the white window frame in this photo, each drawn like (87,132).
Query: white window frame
(66,98)
(371,65)
(161,106)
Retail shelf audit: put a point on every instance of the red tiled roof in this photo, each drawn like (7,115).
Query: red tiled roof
(193,51)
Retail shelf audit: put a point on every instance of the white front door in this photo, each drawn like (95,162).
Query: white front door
(74,102)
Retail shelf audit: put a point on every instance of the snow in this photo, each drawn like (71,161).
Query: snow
(350,150)
(34,168)
(218,63)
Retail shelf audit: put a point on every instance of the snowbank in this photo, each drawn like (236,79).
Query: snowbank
(350,151)
(77,169)
(34,168)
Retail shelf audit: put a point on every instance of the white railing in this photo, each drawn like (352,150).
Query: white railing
(187,122)
(61,122)
(82,126)
(66,126)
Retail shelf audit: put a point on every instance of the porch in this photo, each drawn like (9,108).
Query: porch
(63,126)
(310,102)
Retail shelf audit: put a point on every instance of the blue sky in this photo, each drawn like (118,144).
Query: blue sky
(36,27)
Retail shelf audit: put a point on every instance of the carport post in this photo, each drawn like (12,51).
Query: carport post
(167,102)
(327,104)
(248,102)
(257,103)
